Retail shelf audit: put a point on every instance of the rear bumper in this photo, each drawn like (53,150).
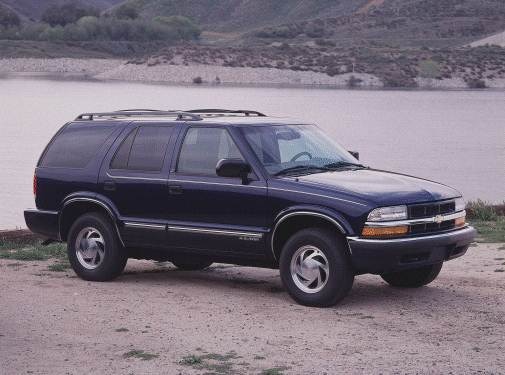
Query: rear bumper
(380,256)
(42,222)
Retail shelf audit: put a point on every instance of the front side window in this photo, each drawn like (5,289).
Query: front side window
(76,145)
(143,149)
(202,148)
(295,147)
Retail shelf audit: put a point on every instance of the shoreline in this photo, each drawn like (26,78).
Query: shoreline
(115,70)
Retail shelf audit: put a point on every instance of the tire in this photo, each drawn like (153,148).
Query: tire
(101,259)
(413,278)
(315,268)
(191,264)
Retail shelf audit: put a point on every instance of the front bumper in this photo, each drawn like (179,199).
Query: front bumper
(387,255)
(43,222)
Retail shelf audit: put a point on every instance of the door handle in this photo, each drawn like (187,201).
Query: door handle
(175,190)
(109,186)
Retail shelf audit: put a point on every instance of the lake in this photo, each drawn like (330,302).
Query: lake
(455,137)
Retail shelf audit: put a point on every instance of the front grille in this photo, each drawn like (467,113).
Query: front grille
(425,210)
(419,211)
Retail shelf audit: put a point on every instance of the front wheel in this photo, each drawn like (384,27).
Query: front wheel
(413,278)
(315,268)
(94,250)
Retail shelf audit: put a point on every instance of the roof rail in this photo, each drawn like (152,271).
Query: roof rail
(179,115)
(226,111)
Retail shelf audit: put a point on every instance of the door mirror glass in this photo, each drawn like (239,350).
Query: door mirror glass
(236,168)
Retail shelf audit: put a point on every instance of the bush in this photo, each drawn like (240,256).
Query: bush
(198,80)
(126,11)
(481,210)
(476,84)
(8,18)
(67,13)
(182,26)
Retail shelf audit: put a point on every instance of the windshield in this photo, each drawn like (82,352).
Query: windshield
(296,148)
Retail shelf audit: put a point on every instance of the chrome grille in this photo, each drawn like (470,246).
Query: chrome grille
(432,209)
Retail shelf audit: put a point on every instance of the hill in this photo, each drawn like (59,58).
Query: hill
(33,9)
(402,22)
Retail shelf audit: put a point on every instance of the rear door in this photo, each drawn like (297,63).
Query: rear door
(134,177)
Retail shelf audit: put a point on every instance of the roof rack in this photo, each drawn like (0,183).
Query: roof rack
(218,112)
(179,115)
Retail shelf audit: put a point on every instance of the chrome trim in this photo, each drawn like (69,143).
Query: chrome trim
(427,220)
(145,226)
(136,178)
(317,195)
(217,232)
(109,211)
(216,183)
(42,211)
(462,230)
(302,213)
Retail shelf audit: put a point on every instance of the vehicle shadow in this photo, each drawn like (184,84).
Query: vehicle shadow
(368,290)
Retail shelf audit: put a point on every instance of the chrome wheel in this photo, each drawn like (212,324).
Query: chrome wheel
(90,248)
(309,269)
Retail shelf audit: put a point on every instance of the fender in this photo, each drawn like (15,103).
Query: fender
(331,216)
(86,196)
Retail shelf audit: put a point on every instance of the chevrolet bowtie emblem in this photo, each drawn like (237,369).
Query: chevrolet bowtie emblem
(438,219)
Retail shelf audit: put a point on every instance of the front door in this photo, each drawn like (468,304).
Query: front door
(208,212)
(134,177)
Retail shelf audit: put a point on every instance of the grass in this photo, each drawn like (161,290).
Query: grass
(274,371)
(31,252)
(59,266)
(140,354)
(488,220)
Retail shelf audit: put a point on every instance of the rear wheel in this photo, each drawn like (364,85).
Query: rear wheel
(315,268)
(413,278)
(191,264)
(94,250)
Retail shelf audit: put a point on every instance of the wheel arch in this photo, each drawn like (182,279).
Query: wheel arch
(75,206)
(289,222)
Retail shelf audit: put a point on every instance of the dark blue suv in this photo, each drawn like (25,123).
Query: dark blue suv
(239,187)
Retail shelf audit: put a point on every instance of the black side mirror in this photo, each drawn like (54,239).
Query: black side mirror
(233,168)
(355,154)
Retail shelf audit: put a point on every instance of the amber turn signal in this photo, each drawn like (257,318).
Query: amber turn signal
(460,221)
(384,231)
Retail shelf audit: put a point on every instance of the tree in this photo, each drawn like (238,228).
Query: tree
(8,18)
(183,26)
(67,13)
(126,11)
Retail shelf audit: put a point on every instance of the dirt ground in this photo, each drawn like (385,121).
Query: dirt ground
(238,320)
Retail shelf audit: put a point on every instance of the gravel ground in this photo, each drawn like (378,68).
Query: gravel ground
(239,320)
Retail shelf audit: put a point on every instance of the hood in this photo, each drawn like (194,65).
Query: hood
(380,187)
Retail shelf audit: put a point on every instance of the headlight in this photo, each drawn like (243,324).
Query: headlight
(460,204)
(388,213)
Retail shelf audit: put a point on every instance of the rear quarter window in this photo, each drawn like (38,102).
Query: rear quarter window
(76,145)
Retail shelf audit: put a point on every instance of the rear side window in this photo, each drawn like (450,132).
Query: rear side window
(143,149)
(76,145)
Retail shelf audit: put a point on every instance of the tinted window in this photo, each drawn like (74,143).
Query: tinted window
(76,145)
(120,160)
(143,149)
(203,148)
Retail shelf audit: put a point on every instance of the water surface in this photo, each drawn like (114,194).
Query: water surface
(455,137)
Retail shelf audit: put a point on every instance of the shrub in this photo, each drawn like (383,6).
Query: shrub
(67,13)
(182,26)
(481,210)
(198,80)
(8,18)
(126,11)
(475,83)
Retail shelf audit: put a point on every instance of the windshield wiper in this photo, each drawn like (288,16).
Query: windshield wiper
(343,164)
(301,168)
